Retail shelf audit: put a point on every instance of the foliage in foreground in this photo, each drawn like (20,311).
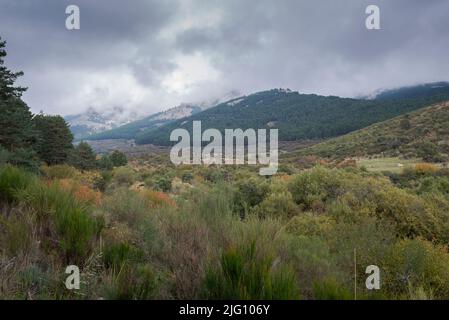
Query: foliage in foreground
(226,235)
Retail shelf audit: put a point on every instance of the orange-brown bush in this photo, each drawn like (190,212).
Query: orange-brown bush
(426,167)
(158,198)
(87,195)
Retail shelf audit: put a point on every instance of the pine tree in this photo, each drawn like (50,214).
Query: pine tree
(16,125)
(7,78)
(17,133)
(118,159)
(55,142)
(83,157)
(105,163)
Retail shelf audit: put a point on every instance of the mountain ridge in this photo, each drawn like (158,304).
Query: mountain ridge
(297,116)
(92,121)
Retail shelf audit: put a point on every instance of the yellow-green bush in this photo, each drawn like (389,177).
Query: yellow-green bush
(277,205)
(413,264)
(124,176)
(61,171)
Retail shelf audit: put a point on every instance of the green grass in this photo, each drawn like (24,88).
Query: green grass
(12,180)
(244,275)
(57,209)
(396,165)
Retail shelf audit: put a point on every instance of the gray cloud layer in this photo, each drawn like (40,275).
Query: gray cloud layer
(148,55)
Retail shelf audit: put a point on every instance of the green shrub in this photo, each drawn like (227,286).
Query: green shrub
(417,264)
(214,205)
(250,192)
(242,274)
(213,174)
(330,289)
(131,282)
(101,182)
(74,226)
(428,151)
(33,279)
(314,188)
(434,184)
(115,255)
(279,205)
(187,177)
(118,158)
(105,163)
(126,206)
(309,224)
(16,234)
(124,175)
(12,180)
(159,183)
(310,258)
(61,171)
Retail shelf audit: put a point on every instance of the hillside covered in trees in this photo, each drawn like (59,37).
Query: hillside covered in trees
(417,91)
(297,116)
(423,134)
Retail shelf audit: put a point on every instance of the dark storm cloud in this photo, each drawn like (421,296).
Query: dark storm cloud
(148,55)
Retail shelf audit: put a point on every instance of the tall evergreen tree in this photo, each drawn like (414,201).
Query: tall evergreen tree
(56,139)
(16,125)
(83,157)
(118,158)
(17,134)
(8,78)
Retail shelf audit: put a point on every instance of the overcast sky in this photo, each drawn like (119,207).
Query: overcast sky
(147,55)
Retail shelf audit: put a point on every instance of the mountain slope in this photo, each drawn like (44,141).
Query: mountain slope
(413,92)
(92,121)
(132,129)
(297,116)
(423,133)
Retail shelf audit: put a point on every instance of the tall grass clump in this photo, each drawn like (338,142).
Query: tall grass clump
(243,274)
(117,254)
(59,212)
(131,282)
(126,206)
(330,289)
(12,180)
(60,171)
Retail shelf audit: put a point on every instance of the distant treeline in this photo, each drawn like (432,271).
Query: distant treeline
(29,140)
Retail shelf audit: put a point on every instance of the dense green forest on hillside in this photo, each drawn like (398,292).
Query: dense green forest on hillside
(297,116)
(416,91)
(423,134)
